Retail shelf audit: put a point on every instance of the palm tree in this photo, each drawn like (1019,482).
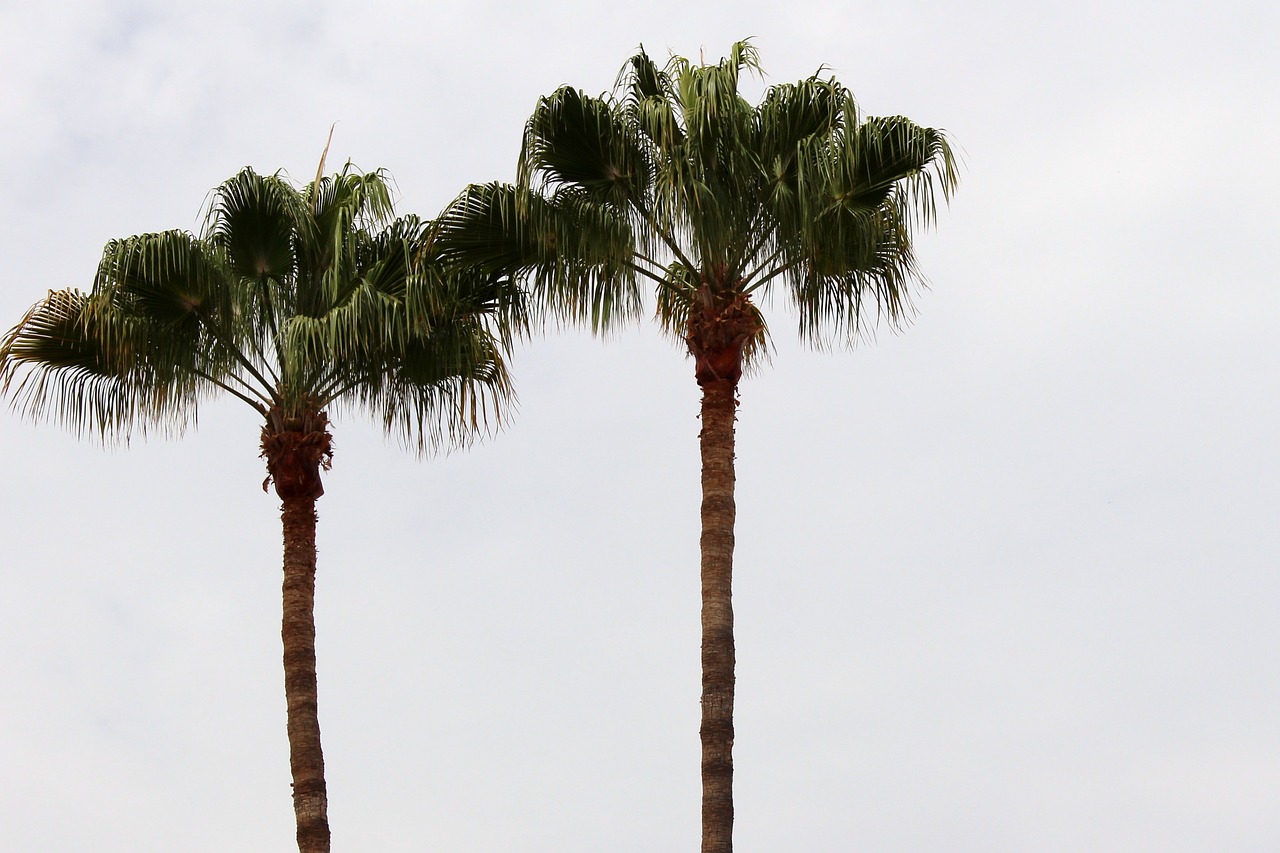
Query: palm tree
(292,301)
(674,180)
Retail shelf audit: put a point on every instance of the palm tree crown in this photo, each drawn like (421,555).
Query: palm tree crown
(291,301)
(675,179)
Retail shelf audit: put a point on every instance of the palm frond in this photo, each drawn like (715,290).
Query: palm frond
(76,359)
(573,251)
(573,138)
(253,220)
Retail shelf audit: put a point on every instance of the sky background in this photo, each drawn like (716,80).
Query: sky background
(1005,582)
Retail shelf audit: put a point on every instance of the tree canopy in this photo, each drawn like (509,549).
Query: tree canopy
(290,300)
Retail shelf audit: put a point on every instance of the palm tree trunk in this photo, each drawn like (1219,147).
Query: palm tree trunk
(718,513)
(306,761)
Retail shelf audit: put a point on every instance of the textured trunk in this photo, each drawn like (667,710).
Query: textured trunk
(306,761)
(296,449)
(718,333)
(718,512)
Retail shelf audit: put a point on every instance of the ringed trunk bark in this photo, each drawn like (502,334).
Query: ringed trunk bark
(298,632)
(719,402)
(296,449)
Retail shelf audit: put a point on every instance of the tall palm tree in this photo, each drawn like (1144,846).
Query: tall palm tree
(675,181)
(294,302)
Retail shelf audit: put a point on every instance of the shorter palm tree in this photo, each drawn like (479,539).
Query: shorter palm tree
(294,302)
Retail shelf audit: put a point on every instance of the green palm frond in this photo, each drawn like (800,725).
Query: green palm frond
(253,220)
(495,228)
(385,261)
(916,160)
(650,101)
(573,138)
(575,252)
(172,286)
(80,360)
(442,388)
(169,278)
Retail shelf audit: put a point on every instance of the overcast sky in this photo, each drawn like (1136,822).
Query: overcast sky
(1005,582)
